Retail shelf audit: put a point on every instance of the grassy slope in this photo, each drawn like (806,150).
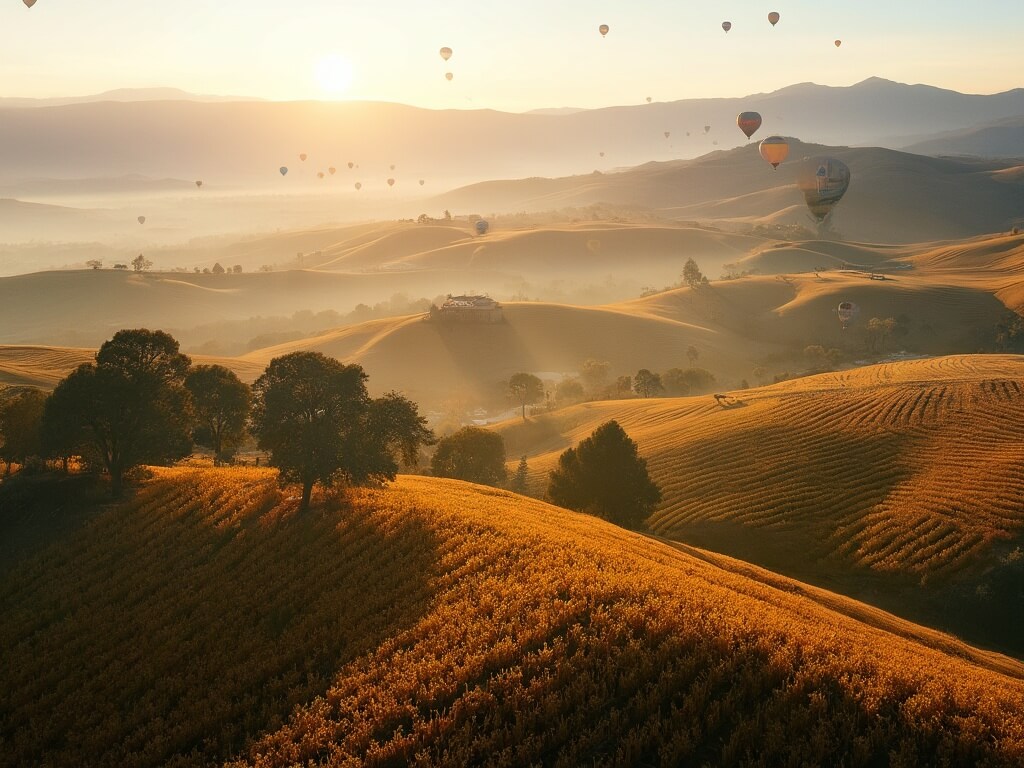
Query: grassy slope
(441,623)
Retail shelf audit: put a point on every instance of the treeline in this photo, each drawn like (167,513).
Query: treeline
(141,401)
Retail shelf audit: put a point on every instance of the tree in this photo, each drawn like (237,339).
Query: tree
(94,263)
(472,454)
(878,331)
(221,403)
(21,419)
(605,476)
(518,483)
(569,391)
(675,382)
(130,407)
(313,414)
(595,373)
(697,380)
(692,353)
(140,263)
(646,383)
(624,384)
(218,269)
(237,269)
(527,389)
(692,276)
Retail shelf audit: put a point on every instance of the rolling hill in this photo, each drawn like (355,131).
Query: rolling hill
(1002,138)
(883,482)
(894,197)
(439,623)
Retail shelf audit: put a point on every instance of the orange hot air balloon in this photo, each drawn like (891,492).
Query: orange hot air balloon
(359,185)
(726,25)
(448,76)
(332,170)
(302,157)
(773,18)
(446,53)
(603,29)
(748,122)
(320,174)
(838,43)
(774,149)
(391,182)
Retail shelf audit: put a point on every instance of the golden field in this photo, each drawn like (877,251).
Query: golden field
(440,623)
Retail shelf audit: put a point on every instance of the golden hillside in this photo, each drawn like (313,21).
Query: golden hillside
(439,623)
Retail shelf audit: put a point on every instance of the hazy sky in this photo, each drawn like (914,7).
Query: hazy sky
(512,55)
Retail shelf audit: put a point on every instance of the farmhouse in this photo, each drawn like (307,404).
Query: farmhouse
(468,309)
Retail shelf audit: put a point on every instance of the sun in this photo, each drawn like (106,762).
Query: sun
(333,74)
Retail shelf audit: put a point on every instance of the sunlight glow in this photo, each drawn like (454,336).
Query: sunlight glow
(334,74)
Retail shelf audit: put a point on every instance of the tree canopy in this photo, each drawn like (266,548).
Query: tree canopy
(129,407)
(526,388)
(221,403)
(605,476)
(472,454)
(647,384)
(20,419)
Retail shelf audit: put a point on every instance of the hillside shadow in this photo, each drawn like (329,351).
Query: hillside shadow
(164,632)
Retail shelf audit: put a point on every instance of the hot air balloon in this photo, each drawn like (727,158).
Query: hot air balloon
(446,53)
(359,185)
(726,25)
(648,99)
(283,170)
(332,170)
(199,184)
(422,182)
(391,182)
(824,181)
(391,167)
(838,43)
(351,166)
(707,129)
(603,29)
(773,18)
(29,3)
(774,149)
(667,134)
(848,312)
(601,154)
(142,219)
(320,174)
(482,227)
(302,157)
(748,122)
(448,76)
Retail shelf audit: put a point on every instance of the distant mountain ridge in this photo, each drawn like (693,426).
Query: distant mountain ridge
(119,94)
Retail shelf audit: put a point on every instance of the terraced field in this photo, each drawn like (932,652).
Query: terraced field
(914,468)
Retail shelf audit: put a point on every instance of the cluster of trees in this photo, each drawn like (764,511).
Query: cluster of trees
(140,264)
(142,402)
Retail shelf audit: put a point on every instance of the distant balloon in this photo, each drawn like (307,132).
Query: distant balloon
(283,170)
(667,134)
(848,312)
(601,154)
(359,185)
(422,182)
(332,170)
(446,53)
(391,167)
(482,227)
(726,25)
(773,18)
(748,122)
(199,183)
(648,99)
(774,150)
(603,29)
(824,181)
(707,129)
(391,182)
(29,3)
(351,166)
(320,175)
(838,43)
(302,157)
(142,219)
(448,76)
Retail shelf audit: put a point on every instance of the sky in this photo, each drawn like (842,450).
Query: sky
(515,55)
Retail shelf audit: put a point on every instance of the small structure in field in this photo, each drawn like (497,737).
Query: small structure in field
(468,309)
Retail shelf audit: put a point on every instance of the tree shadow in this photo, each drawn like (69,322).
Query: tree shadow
(182,625)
